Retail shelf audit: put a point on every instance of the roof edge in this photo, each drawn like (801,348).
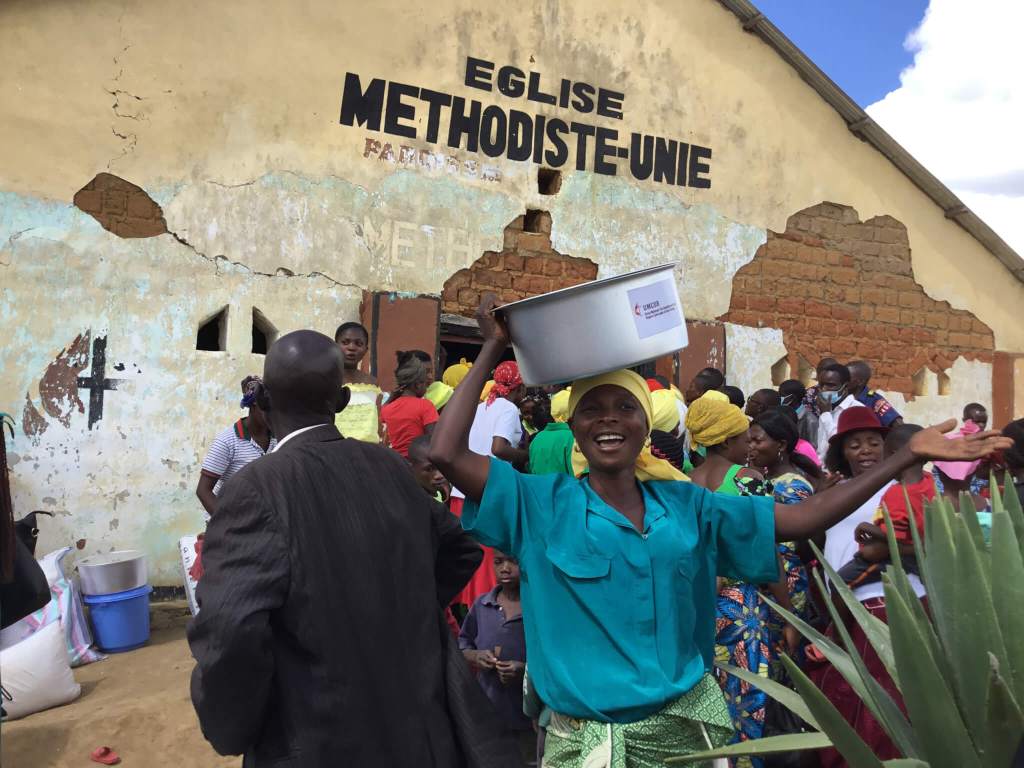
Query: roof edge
(865,128)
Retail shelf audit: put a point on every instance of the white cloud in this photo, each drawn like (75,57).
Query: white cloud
(960,106)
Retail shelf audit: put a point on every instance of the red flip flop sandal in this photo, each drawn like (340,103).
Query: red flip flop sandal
(105,755)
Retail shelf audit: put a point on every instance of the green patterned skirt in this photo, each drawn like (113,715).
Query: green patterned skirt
(697,721)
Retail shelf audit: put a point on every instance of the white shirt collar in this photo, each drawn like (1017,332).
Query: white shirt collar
(290,435)
(848,402)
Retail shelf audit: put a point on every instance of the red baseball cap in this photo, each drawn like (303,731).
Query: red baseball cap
(856,419)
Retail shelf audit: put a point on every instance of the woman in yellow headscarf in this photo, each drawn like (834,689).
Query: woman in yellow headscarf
(666,442)
(647,466)
(619,606)
(454,374)
(439,394)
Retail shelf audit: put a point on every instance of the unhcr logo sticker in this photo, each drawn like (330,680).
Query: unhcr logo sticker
(655,308)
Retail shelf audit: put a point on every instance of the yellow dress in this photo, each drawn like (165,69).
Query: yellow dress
(361,417)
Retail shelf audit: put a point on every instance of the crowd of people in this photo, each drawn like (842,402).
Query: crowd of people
(618,537)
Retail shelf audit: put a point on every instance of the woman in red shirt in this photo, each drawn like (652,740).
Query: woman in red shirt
(408,414)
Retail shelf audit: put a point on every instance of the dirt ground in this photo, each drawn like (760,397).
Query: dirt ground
(136,703)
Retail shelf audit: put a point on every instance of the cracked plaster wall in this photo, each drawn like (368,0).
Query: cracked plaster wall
(227,114)
(129,482)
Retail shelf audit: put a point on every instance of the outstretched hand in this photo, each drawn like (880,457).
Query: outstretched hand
(492,324)
(931,445)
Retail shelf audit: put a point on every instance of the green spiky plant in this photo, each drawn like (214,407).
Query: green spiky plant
(960,669)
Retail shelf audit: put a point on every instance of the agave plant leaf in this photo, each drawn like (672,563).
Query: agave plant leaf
(1010,502)
(1005,722)
(969,514)
(875,697)
(939,566)
(845,739)
(975,631)
(850,666)
(790,742)
(924,620)
(787,697)
(942,734)
(919,551)
(940,574)
(898,575)
(1008,598)
(839,658)
(875,629)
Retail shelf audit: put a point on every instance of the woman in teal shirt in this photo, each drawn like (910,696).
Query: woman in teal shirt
(618,575)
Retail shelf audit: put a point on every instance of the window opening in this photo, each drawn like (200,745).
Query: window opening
(805,371)
(264,334)
(780,371)
(531,222)
(549,181)
(213,332)
(922,384)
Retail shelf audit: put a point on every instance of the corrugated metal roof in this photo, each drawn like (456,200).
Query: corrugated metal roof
(861,124)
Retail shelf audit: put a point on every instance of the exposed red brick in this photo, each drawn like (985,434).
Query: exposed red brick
(526,266)
(121,207)
(554,267)
(512,262)
(842,287)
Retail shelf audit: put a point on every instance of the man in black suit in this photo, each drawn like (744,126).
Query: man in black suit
(320,639)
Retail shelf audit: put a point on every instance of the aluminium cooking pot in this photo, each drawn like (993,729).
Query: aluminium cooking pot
(111,572)
(597,327)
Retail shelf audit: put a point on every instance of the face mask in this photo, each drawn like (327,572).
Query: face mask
(800,410)
(833,397)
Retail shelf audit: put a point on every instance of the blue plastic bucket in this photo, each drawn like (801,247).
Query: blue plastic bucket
(120,620)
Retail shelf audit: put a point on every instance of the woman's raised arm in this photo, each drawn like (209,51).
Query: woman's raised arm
(825,509)
(449,445)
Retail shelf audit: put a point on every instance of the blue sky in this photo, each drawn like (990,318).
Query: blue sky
(961,85)
(858,43)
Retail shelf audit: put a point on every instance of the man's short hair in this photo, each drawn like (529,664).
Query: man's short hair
(793,388)
(861,368)
(900,435)
(419,448)
(710,379)
(735,395)
(842,370)
(772,399)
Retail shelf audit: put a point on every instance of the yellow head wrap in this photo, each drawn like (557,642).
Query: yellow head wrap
(711,421)
(647,466)
(560,405)
(439,394)
(714,394)
(679,395)
(454,374)
(666,415)
(486,391)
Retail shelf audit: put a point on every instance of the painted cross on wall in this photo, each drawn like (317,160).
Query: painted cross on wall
(96,382)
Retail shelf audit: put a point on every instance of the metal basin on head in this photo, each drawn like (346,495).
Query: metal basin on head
(597,327)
